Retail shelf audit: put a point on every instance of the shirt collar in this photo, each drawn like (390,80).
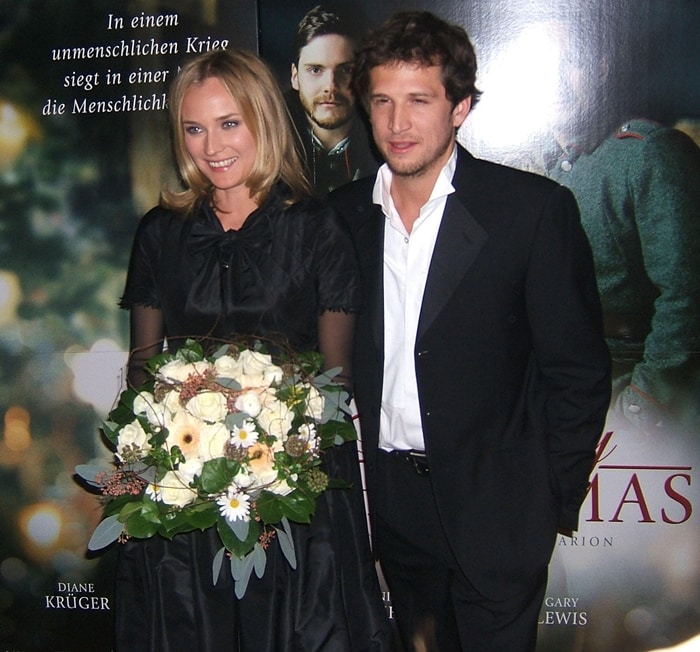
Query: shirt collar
(339,148)
(381,193)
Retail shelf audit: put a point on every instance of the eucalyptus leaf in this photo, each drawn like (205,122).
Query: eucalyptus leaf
(239,527)
(108,531)
(326,378)
(222,350)
(229,383)
(235,419)
(237,566)
(88,472)
(259,559)
(284,536)
(242,586)
(217,564)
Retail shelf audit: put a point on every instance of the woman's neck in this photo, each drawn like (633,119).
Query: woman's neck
(233,210)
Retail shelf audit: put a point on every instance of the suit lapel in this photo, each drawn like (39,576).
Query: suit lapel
(372,235)
(459,241)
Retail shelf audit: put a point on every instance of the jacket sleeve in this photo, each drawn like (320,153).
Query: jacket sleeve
(572,357)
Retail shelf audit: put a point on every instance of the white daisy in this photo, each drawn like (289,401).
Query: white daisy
(245,435)
(234,505)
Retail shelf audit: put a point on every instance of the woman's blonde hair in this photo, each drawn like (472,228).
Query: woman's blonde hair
(257,93)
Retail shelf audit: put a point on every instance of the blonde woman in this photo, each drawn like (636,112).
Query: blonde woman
(243,250)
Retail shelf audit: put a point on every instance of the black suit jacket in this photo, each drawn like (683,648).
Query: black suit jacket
(512,368)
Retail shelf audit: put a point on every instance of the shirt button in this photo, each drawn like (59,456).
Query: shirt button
(405,240)
(566,166)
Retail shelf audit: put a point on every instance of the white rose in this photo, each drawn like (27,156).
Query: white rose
(187,470)
(314,403)
(171,402)
(174,489)
(243,479)
(134,436)
(249,402)
(208,406)
(258,370)
(268,397)
(281,488)
(145,403)
(276,419)
(228,367)
(212,441)
(273,374)
(178,371)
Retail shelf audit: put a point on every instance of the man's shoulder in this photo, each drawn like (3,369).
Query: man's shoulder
(480,174)
(642,144)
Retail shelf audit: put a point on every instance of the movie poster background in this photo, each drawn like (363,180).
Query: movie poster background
(76,174)
(74,184)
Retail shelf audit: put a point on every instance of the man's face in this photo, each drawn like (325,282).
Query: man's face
(322,78)
(413,121)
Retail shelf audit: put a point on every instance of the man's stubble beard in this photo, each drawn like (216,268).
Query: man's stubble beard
(330,123)
(419,168)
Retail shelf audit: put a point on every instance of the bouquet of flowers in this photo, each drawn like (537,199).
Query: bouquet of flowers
(231,441)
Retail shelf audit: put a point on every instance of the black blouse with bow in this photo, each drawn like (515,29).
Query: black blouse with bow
(272,277)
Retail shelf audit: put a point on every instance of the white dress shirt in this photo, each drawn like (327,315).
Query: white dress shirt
(406,262)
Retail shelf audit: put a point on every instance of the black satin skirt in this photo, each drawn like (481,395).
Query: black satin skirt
(166,600)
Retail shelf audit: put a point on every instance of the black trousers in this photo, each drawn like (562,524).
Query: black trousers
(435,606)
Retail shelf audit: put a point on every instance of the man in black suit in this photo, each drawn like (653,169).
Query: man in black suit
(481,372)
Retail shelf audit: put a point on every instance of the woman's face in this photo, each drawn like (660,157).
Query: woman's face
(216,136)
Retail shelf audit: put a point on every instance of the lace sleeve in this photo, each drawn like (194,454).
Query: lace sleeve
(335,341)
(146,340)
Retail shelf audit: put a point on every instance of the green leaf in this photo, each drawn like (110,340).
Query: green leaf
(203,517)
(338,483)
(130,508)
(110,429)
(269,508)
(191,352)
(151,511)
(298,507)
(107,531)
(233,544)
(336,432)
(140,527)
(115,505)
(216,474)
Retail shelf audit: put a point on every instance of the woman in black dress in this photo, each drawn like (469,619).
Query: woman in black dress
(245,251)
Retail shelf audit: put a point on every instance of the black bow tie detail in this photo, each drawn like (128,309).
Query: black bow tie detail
(208,237)
(229,270)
